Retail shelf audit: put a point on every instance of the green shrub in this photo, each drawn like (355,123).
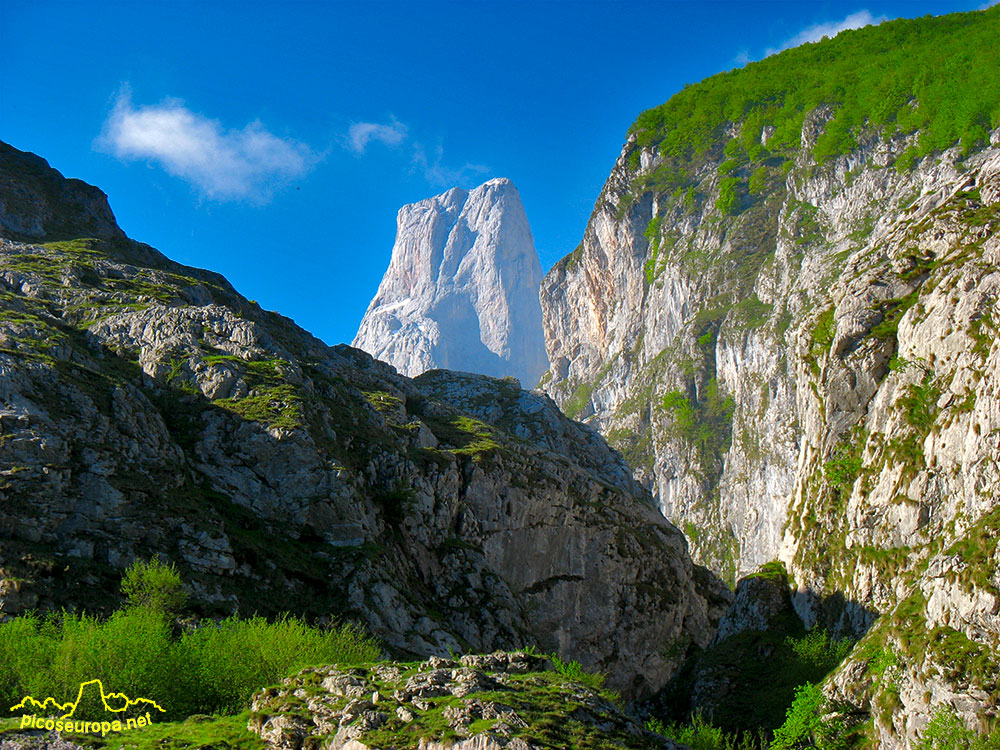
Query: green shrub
(216,667)
(758,181)
(700,735)
(706,424)
(573,670)
(945,731)
(154,585)
(236,657)
(729,200)
(802,721)
(816,650)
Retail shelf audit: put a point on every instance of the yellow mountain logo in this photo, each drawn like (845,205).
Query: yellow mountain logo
(113,702)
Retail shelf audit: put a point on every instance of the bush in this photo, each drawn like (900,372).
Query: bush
(154,585)
(236,657)
(802,721)
(729,199)
(700,735)
(945,731)
(816,650)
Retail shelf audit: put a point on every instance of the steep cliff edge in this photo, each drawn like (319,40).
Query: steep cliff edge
(461,290)
(147,408)
(784,314)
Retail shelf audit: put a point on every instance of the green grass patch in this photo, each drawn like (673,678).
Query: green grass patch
(893,311)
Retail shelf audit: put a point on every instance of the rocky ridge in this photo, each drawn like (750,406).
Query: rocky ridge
(798,355)
(461,290)
(148,408)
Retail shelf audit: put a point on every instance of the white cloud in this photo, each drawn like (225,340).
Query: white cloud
(222,164)
(361,133)
(394,133)
(438,174)
(989,5)
(816,32)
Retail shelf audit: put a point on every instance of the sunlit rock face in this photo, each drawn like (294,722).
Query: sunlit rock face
(461,290)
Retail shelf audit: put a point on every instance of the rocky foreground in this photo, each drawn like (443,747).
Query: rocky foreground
(516,701)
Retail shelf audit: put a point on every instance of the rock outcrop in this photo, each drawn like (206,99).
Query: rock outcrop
(147,408)
(794,344)
(514,700)
(461,290)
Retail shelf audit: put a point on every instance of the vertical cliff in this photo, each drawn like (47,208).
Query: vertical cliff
(783,313)
(461,290)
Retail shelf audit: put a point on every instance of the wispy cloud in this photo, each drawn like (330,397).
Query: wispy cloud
(830,29)
(990,4)
(742,58)
(437,173)
(430,165)
(223,164)
(361,134)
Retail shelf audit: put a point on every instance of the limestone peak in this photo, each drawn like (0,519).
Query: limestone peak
(461,289)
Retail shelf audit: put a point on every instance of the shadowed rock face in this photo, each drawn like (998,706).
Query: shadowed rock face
(461,290)
(147,408)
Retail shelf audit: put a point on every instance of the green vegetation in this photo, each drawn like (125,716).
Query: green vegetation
(984,332)
(464,435)
(920,404)
(845,464)
(774,571)
(945,731)
(763,670)
(929,75)
(892,312)
(557,705)
(811,722)
(978,551)
(396,504)
(705,423)
(729,199)
(701,735)
(823,331)
(154,585)
(272,400)
(213,667)
(198,732)
(578,400)
(573,670)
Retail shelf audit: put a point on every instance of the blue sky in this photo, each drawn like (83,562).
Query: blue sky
(274,142)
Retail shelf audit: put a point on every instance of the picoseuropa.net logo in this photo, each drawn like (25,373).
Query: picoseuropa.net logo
(67,721)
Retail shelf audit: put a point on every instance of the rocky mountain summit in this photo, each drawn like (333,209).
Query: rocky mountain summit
(461,290)
(784,313)
(147,408)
